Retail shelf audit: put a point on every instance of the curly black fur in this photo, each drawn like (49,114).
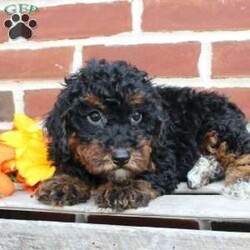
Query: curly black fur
(174,121)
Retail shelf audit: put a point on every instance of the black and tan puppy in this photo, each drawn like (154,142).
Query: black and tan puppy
(114,135)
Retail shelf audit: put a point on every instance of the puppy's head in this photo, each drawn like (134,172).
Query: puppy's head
(106,118)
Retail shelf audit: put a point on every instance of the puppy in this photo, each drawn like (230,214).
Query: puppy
(116,136)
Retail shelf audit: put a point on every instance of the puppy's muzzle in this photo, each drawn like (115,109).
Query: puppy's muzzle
(120,156)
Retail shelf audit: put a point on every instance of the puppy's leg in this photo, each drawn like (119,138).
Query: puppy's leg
(62,190)
(207,169)
(237,181)
(135,194)
(236,167)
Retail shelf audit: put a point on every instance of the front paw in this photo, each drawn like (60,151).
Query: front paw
(240,189)
(237,181)
(120,197)
(63,190)
(205,170)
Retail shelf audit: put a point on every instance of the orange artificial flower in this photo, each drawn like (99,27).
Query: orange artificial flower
(30,158)
(6,153)
(6,185)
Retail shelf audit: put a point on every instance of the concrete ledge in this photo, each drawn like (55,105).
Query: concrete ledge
(192,205)
(53,235)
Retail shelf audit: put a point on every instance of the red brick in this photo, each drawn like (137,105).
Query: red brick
(167,60)
(231,59)
(49,63)
(198,15)
(6,106)
(3,30)
(240,96)
(82,20)
(39,102)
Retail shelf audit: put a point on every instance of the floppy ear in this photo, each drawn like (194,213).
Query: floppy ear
(55,125)
(159,124)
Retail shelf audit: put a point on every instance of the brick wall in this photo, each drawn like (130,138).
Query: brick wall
(197,43)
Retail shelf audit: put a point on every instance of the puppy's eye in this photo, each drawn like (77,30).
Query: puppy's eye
(135,118)
(95,118)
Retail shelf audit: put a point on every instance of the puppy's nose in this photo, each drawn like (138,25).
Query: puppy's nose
(120,156)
